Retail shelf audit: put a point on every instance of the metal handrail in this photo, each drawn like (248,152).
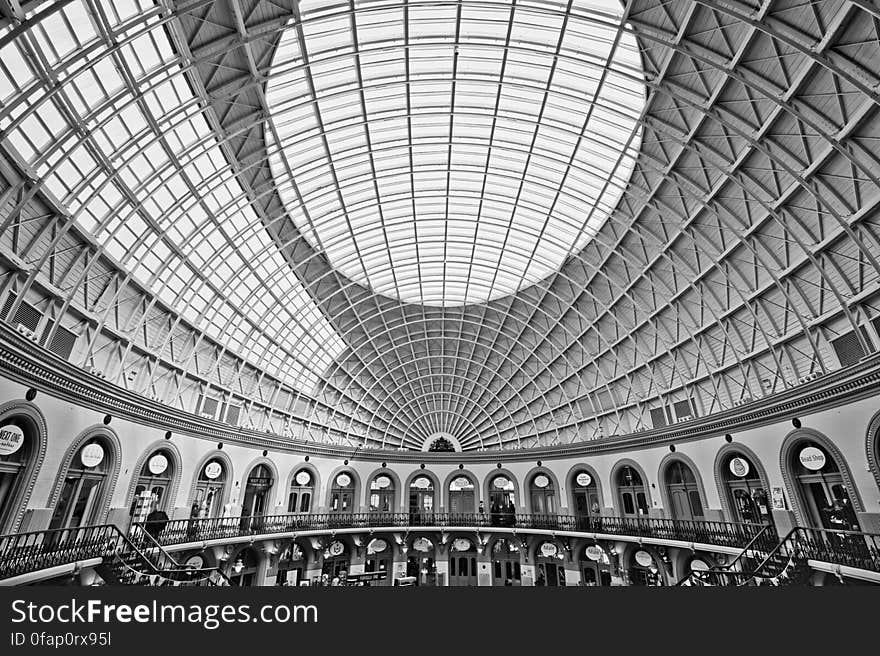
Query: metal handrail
(762,535)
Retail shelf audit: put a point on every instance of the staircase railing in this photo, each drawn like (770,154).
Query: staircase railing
(217,528)
(764,542)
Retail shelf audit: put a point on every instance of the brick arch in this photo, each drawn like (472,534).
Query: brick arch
(216,454)
(114,452)
(28,476)
(517,487)
(438,492)
(357,486)
(615,497)
(316,483)
(390,473)
(561,492)
(872,446)
(786,453)
(667,461)
(718,469)
(597,481)
(176,465)
(242,485)
(471,477)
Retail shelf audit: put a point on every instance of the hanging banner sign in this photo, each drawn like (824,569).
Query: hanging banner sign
(594,552)
(643,558)
(461,544)
(541,481)
(549,549)
(377,545)
(92,455)
(739,467)
(158,464)
(11,439)
(343,480)
(336,548)
(304,478)
(812,458)
(213,470)
(584,479)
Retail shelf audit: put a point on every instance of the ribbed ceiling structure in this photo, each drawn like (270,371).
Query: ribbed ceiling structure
(512,223)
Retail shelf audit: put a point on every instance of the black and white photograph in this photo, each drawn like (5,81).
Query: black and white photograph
(305,294)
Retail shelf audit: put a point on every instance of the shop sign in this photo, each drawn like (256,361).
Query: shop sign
(304,478)
(11,439)
(213,470)
(92,455)
(549,549)
(158,464)
(812,458)
(594,552)
(377,545)
(343,480)
(541,481)
(382,482)
(739,467)
(422,544)
(461,483)
(501,483)
(195,562)
(461,544)
(643,558)
(778,497)
(699,565)
(584,479)
(336,548)
(422,482)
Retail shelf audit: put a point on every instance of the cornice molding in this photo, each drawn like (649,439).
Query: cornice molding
(25,362)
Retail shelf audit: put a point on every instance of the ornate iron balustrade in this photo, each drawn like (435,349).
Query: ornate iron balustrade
(218,528)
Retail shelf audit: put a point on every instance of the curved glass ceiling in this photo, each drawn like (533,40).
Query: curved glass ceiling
(448,153)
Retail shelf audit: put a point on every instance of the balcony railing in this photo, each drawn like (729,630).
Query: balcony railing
(219,528)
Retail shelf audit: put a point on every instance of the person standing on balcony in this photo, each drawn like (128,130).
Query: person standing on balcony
(193,525)
(482,511)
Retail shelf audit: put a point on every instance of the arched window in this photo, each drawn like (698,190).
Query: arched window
(302,490)
(336,561)
(543,495)
(506,568)
(502,507)
(462,563)
(824,496)
(684,495)
(210,487)
(585,495)
(631,492)
(85,484)
(745,491)
(152,488)
(549,568)
(382,494)
(18,445)
(257,491)
(342,493)
(461,495)
(421,499)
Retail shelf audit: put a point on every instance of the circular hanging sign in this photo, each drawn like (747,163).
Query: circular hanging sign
(11,439)
(461,483)
(158,464)
(343,480)
(643,558)
(541,481)
(92,455)
(594,552)
(699,565)
(336,548)
(195,562)
(583,479)
(213,470)
(739,466)
(549,549)
(422,482)
(377,545)
(304,478)
(812,458)
(382,482)
(501,483)
(461,544)
(422,544)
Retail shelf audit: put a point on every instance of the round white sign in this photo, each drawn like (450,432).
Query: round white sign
(304,478)
(343,480)
(461,544)
(422,544)
(158,464)
(643,558)
(739,467)
(549,549)
(698,565)
(92,455)
(541,481)
(377,545)
(195,562)
(812,458)
(422,482)
(501,483)
(336,548)
(583,479)
(11,439)
(594,552)
(461,483)
(213,470)
(382,482)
